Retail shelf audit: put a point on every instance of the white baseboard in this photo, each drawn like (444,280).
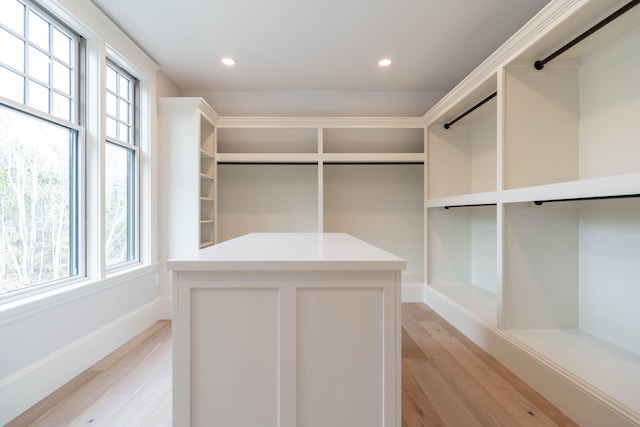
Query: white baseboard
(412,292)
(25,388)
(165,308)
(579,402)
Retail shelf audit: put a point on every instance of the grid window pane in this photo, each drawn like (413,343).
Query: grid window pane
(123,111)
(37,201)
(62,46)
(38,31)
(112,128)
(11,85)
(61,106)
(120,105)
(12,15)
(12,51)
(119,188)
(112,105)
(123,133)
(61,77)
(38,97)
(28,51)
(38,65)
(123,88)
(112,80)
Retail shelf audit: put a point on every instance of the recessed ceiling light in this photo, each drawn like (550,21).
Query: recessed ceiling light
(228,61)
(384,62)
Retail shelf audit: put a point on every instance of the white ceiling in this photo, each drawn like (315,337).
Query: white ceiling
(301,57)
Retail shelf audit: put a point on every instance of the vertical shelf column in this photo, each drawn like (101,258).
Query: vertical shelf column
(207,183)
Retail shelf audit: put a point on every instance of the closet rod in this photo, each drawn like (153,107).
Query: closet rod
(539,64)
(470,206)
(373,163)
(579,199)
(479,104)
(267,163)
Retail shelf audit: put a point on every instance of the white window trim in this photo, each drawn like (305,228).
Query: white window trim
(103,38)
(134,146)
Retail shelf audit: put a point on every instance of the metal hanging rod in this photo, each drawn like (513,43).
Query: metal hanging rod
(316,163)
(268,163)
(478,105)
(373,163)
(470,206)
(539,64)
(579,199)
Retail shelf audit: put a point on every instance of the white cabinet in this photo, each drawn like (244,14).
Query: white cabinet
(533,210)
(289,330)
(186,128)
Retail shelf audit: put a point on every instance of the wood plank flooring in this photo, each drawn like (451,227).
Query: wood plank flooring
(446,381)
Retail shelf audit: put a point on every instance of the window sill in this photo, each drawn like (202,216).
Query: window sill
(14,309)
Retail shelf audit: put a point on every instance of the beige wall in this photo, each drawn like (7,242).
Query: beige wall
(165,87)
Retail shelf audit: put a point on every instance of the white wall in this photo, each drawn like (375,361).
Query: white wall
(608,267)
(165,87)
(273,198)
(48,339)
(380,204)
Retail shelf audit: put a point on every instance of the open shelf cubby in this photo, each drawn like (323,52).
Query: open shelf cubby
(571,288)
(380,204)
(266,198)
(462,257)
(373,140)
(267,140)
(462,158)
(577,118)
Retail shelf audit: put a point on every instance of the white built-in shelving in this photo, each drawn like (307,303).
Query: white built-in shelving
(461,157)
(533,214)
(375,145)
(207,183)
(264,197)
(325,177)
(187,131)
(576,119)
(461,257)
(267,145)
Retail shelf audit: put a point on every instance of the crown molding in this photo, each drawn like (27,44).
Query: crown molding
(547,19)
(319,122)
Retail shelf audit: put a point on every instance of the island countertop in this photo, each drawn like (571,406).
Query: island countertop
(290,251)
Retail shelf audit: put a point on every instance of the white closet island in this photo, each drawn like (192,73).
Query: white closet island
(287,329)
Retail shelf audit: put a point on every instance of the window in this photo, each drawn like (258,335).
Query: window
(37,59)
(39,149)
(121,154)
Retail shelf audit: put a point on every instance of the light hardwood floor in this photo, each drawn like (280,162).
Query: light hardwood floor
(446,381)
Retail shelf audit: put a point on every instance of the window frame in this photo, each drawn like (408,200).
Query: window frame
(77,212)
(97,42)
(77,180)
(76,65)
(133,149)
